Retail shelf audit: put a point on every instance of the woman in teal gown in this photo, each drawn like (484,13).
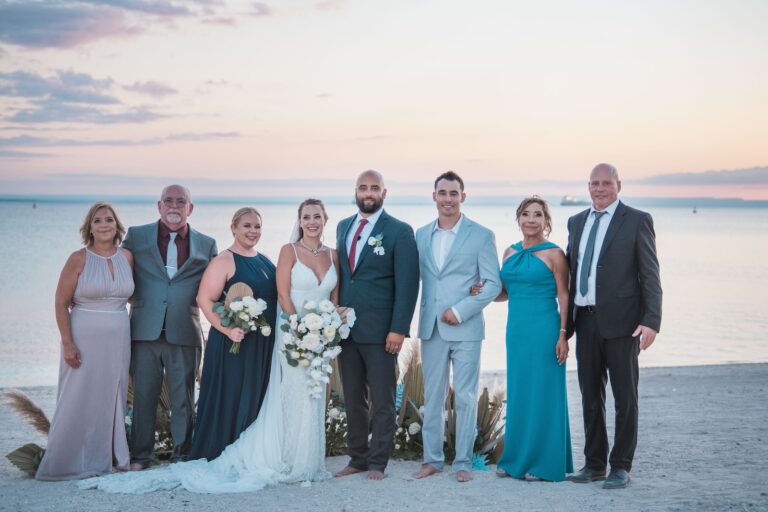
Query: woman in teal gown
(537,441)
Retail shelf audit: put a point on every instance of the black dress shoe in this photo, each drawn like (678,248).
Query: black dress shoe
(617,479)
(586,475)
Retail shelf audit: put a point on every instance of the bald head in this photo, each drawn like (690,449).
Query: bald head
(370,175)
(178,189)
(605,168)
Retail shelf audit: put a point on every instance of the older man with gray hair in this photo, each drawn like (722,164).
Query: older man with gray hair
(169,260)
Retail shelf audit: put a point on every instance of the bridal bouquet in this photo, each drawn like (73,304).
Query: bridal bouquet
(312,340)
(241,309)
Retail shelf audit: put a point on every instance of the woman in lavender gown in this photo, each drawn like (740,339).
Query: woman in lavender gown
(87,434)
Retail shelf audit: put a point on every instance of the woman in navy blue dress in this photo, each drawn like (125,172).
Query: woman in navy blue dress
(233,385)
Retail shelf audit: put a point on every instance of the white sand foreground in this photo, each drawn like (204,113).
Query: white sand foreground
(703,446)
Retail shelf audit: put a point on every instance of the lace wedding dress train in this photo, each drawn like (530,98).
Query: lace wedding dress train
(286,443)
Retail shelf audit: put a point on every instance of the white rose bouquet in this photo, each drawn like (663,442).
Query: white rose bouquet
(241,309)
(312,341)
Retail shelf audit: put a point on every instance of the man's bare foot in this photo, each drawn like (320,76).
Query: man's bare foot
(425,471)
(463,476)
(349,470)
(375,475)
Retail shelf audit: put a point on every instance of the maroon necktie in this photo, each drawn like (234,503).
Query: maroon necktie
(353,249)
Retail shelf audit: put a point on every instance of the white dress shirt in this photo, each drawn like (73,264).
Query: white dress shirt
(442,241)
(590,298)
(364,234)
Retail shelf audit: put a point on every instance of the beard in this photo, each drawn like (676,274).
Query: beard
(173,218)
(372,206)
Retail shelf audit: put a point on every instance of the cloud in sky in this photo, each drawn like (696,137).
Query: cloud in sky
(54,24)
(73,97)
(27,141)
(152,88)
(13,154)
(59,24)
(260,9)
(753,176)
(64,86)
(220,20)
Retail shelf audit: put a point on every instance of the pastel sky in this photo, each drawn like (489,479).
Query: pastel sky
(116,96)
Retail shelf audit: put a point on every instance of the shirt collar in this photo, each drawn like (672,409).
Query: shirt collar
(454,229)
(610,209)
(166,233)
(372,218)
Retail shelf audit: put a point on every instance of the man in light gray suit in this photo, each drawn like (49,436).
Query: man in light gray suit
(169,260)
(454,254)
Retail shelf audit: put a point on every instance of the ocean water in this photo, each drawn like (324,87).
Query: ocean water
(713,270)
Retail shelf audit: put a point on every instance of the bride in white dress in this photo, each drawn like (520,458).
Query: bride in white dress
(286,443)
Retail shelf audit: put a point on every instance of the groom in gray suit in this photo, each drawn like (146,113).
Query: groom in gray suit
(379,278)
(454,254)
(169,260)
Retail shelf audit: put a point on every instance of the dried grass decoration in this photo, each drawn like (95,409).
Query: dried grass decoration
(241,309)
(28,457)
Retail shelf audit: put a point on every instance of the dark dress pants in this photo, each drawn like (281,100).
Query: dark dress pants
(615,358)
(365,367)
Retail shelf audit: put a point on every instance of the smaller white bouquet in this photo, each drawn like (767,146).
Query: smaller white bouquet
(241,309)
(312,340)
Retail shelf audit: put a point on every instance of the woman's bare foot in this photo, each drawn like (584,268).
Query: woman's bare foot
(375,475)
(349,470)
(463,476)
(425,471)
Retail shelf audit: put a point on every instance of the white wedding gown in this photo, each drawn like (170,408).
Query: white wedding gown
(286,443)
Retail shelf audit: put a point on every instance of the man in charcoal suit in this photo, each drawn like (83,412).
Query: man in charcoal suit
(169,260)
(379,278)
(615,296)
(454,254)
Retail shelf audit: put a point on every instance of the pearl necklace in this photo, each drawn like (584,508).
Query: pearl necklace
(315,252)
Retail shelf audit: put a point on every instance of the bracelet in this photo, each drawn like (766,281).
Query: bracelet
(563,330)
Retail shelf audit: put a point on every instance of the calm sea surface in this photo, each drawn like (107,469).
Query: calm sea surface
(713,264)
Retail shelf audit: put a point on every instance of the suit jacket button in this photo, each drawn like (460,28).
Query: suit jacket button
(351,280)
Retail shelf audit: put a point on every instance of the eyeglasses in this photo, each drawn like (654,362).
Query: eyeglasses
(175,202)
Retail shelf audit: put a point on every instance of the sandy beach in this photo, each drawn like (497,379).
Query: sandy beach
(703,446)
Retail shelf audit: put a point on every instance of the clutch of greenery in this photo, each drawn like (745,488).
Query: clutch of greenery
(241,309)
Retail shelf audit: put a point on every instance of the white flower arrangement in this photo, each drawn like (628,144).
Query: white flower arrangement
(312,341)
(377,243)
(244,312)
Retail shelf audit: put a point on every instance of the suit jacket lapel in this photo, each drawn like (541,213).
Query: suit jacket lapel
(377,228)
(192,234)
(428,247)
(579,223)
(613,228)
(464,231)
(152,235)
(342,247)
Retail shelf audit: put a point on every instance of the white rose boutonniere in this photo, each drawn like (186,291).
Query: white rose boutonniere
(376,243)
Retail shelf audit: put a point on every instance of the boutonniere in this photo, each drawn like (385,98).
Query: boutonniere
(376,243)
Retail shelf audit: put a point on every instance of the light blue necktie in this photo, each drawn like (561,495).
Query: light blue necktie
(172,256)
(586,262)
